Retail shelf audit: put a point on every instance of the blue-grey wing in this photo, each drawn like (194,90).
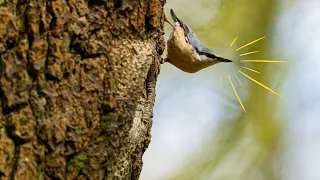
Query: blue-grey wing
(191,37)
(194,41)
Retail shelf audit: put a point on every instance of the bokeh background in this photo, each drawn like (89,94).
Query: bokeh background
(200,130)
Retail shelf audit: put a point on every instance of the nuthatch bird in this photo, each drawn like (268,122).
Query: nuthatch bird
(185,50)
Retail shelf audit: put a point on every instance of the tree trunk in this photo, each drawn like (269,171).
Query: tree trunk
(77,87)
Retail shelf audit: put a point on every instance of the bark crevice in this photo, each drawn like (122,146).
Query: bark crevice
(15,160)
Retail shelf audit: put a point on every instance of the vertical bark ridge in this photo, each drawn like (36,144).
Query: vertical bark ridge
(77,87)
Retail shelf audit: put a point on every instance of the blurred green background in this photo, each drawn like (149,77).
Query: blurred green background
(200,130)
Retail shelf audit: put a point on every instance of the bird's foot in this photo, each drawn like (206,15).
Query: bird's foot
(166,20)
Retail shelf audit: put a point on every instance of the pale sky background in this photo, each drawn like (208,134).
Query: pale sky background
(189,106)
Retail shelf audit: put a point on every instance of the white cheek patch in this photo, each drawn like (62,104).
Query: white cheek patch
(203,58)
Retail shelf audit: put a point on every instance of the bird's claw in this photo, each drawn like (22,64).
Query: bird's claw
(163,60)
(166,20)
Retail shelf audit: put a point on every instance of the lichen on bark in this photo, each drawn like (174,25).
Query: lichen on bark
(77,87)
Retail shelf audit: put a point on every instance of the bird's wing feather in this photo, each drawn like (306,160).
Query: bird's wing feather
(174,17)
(194,41)
(197,45)
(191,37)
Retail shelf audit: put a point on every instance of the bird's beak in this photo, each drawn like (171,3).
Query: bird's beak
(223,59)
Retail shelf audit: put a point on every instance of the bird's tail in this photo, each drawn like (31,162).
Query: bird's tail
(223,59)
(174,17)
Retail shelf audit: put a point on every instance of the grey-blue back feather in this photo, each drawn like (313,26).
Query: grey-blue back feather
(192,38)
(195,42)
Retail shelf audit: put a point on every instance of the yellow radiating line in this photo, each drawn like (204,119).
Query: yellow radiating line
(259,83)
(220,80)
(250,43)
(233,41)
(263,61)
(235,91)
(249,53)
(238,79)
(251,70)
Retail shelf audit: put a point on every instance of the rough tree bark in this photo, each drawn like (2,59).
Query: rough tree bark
(77,87)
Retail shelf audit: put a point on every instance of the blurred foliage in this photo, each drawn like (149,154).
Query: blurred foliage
(248,147)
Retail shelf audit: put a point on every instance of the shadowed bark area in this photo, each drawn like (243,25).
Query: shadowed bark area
(77,87)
